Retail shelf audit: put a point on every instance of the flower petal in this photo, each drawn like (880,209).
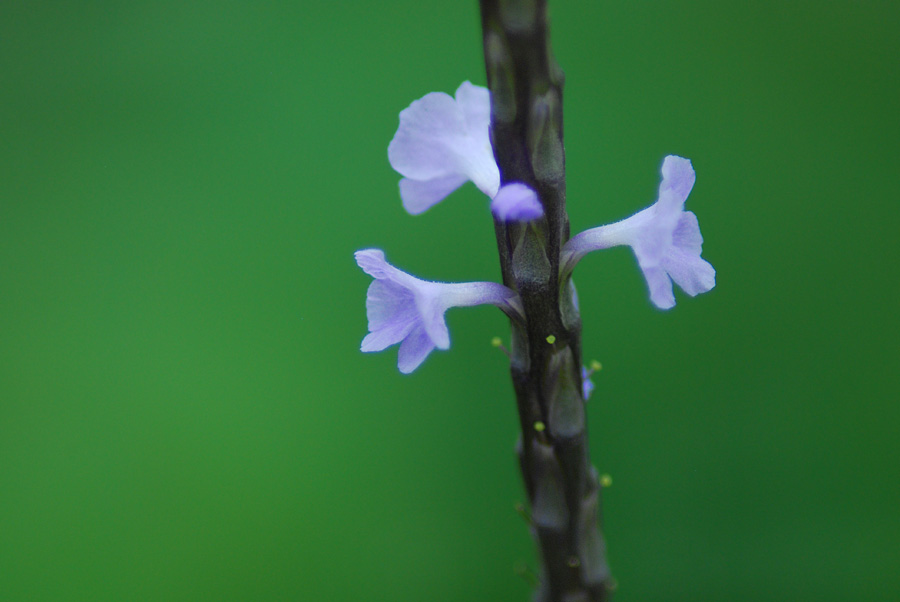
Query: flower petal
(414,349)
(678,176)
(373,263)
(431,314)
(388,302)
(420,195)
(516,202)
(380,340)
(429,139)
(690,272)
(475,103)
(479,163)
(687,233)
(660,287)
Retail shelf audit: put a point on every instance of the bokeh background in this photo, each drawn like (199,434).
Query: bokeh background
(184,412)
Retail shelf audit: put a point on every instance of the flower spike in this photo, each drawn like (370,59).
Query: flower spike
(403,309)
(664,237)
(443,142)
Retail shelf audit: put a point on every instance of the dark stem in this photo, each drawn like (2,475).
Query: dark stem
(527,136)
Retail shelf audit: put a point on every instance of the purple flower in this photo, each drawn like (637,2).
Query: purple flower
(664,237)
(441,144)
(516,202)
(403,309)
(587,385)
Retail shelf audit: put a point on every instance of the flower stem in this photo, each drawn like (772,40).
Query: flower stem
(527,137)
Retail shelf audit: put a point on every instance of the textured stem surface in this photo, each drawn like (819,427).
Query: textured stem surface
(527,137)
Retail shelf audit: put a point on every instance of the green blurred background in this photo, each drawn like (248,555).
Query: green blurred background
(184,412)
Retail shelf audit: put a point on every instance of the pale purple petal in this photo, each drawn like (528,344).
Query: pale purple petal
(683,262)
(419,196)
(379,340)
(413,350)
(373,263)
(687,233)
(516,202)
(660,287)
(430,136)
(431,304)
(693,274)
(391,311)
(475,103)
(678,178)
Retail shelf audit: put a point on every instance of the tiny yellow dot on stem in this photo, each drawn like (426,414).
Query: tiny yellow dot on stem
(539,426)
(551,339)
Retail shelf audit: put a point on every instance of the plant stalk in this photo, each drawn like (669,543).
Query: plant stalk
(563,488)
